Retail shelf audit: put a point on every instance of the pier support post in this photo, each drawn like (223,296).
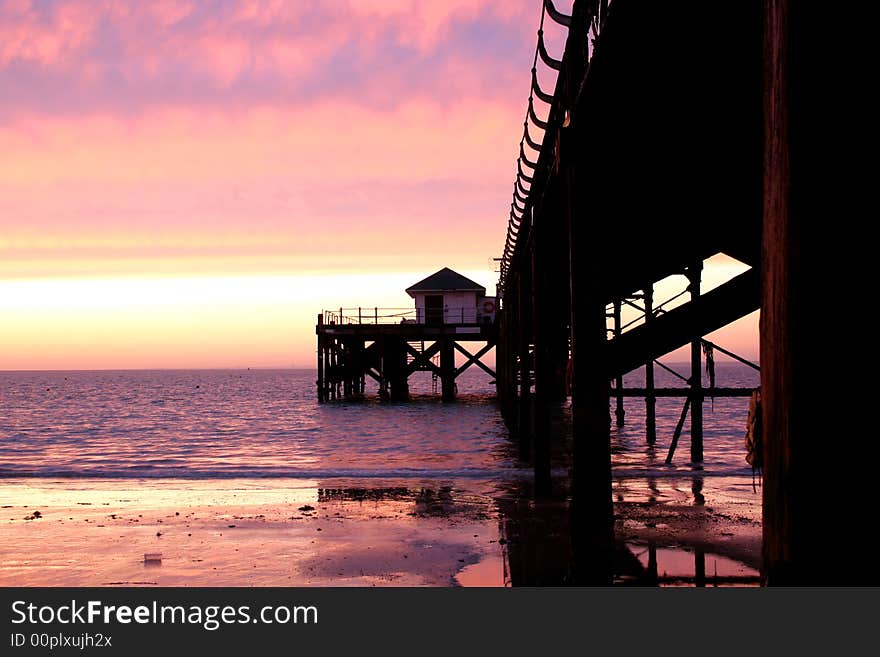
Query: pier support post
(818,492)
(650,398)
(694,276)
(395,362)
(592,515)
(347,376)
(591,507)
(619,412)
(447,369)
(524,406)
(320,382)
(327,369)
(542,318)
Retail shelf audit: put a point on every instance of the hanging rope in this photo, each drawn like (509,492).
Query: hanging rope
(556,15)
(534,117)
(524,159)
(521,202)
(555,64)
(709,353)
(521,173)
(535,146)
(540,93)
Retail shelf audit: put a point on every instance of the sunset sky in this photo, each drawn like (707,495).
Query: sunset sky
(187,184)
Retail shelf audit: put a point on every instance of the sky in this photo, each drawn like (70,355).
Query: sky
(187,184)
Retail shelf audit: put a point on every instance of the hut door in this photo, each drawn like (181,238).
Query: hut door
(433,309)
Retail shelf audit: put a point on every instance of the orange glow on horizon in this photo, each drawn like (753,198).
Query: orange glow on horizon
(224,321)
(200,322)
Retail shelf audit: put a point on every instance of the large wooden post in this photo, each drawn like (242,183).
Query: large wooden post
(619,411)
(541,316)
(501,380)
(395,362)
(337,393)
(592,517)
(818,459)
(327,344)
(694,277)
(346,364)
(650,398)
(320,382)
(524,420)
(447,369)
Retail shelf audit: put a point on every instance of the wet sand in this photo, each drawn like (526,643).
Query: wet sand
(717,519)
(240,533)
(340,533)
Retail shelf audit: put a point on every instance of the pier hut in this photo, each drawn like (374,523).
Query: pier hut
(447,297)
(388,345)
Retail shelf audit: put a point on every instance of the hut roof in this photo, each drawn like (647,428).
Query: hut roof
(446,280)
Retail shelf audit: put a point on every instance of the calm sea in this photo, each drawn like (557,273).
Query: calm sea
(206,424)
(263,433)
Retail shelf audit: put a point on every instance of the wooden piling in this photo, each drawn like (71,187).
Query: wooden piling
(650,399)
(524,406)
(395,362)
(818,484)
(327,343)
(320,382)
(592,516)
(591,507)
(696,380)
(447,370)
(619,412)
(543,354)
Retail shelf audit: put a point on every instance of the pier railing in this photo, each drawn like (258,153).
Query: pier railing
(375,315)
(540,134)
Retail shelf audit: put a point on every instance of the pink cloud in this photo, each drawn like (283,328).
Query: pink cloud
(71,56)
(235,132)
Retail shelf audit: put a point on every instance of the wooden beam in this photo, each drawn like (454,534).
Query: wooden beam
(694,277)
(475,359)
(423,358)
(685,392)
(725,304)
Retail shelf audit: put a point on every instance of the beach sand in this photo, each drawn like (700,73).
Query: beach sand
(339,533)
(236,533)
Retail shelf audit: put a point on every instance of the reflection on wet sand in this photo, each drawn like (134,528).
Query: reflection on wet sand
(538,550)
(334,532)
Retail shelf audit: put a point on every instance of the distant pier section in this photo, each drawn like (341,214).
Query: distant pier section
(388,345)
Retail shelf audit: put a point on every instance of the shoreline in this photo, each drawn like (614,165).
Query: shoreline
(257,532)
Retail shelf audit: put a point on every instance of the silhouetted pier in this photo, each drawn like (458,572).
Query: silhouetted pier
(673,133)
(388,345)
(666,139)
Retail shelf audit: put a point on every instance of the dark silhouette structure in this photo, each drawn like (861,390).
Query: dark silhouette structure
(390,344)
(672,135)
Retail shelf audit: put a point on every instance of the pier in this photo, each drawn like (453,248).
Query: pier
(668,137)
(388,345)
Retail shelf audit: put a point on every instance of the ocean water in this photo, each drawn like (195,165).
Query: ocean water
(206,424)
(236,424)
(429,471)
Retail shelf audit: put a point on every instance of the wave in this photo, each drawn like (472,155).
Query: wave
(189,473)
